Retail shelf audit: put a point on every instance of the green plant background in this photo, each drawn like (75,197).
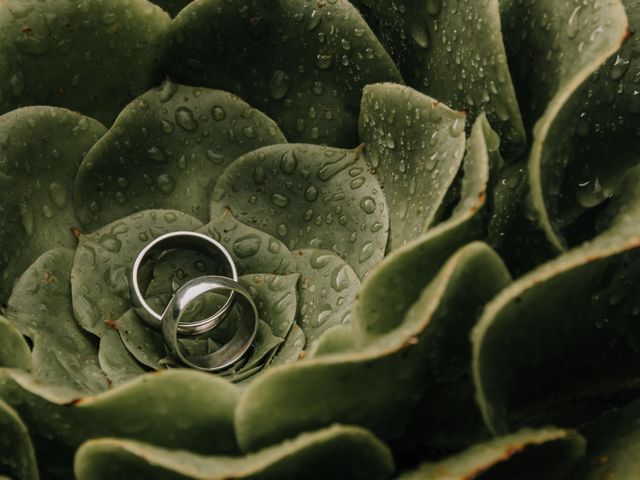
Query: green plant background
(435,205)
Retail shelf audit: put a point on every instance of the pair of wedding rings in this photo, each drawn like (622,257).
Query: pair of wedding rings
(170,321)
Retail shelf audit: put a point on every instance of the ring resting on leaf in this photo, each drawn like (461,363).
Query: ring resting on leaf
(170,320)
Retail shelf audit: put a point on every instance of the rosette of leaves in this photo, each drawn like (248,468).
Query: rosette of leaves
(435,205)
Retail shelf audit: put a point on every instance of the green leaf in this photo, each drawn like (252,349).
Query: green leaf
(103,261)
(292,347)
(118,364)
(453,51)
(338,452)
(396,284)
(548,453)
(613,446)
(17,457)
(327,291)
(309,197)
(415,145)
(550,64)
(89,56)
(40,150)
(561,343)
(143,409)
(166,150)
(40,307)
(14,350)
(304,64)
(376,385)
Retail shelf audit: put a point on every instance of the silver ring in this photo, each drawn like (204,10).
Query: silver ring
(190,241)
(229,353)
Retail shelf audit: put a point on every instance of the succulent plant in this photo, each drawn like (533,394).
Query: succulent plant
(435,206)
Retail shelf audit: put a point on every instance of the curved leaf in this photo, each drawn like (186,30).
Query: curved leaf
(14,350)
(528,366)
(453,51)
(143,409)
(67,54)
(378,383)
(310,197)
(40,307)
(118,364)
(396,284)
(337,452)
(103,261)
(17,457)
(40,150)
(551,59)
(415,145)
(166,150)
(549,453)
(302,63)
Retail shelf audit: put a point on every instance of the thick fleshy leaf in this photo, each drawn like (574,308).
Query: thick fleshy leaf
(613,446)
(276,299)
(553,49)
(103,261)
(292,347)
(327,289)
(309,197)
(67,54)
(118,364)
(144,409)
(40,150)
(453,51)
(549,453)
(338,452)
(415,146)
(166,150)
(17,457)
(528,365)
(14,350)
(379,383)
(301,62)
(397,283)
(40,307)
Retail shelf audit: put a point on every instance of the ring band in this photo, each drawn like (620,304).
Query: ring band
(229,353)
(186,240)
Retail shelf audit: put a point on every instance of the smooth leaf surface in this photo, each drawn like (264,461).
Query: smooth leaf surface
(103,261)
(379,382)
(14,350)
(528,366)
(415,146)
(166,150)
(304,64)
(116,361)
(67,54)
(548,453)
(40,150)
(309,196)
(337,452)
(453,50)
(17,457)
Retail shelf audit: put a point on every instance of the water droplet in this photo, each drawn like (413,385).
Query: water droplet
(324,60)
(279,200)
(340,278)
(156,154)
(357,183)
(185,119)
(314,20)
(46,211)
(247,246)
(165,183)
(457,127)
(419,32)
(279,84)
(259,175)
(319,260)
(58,195)
(249,132)
(111,243)
(311,195)
(282,230)
(218,113)
(619,68)
(27,219)
(574,22)
(215,158)
(366,252)
(288,163)
(167,126)
(334,167)
(389,141)
(368,205)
